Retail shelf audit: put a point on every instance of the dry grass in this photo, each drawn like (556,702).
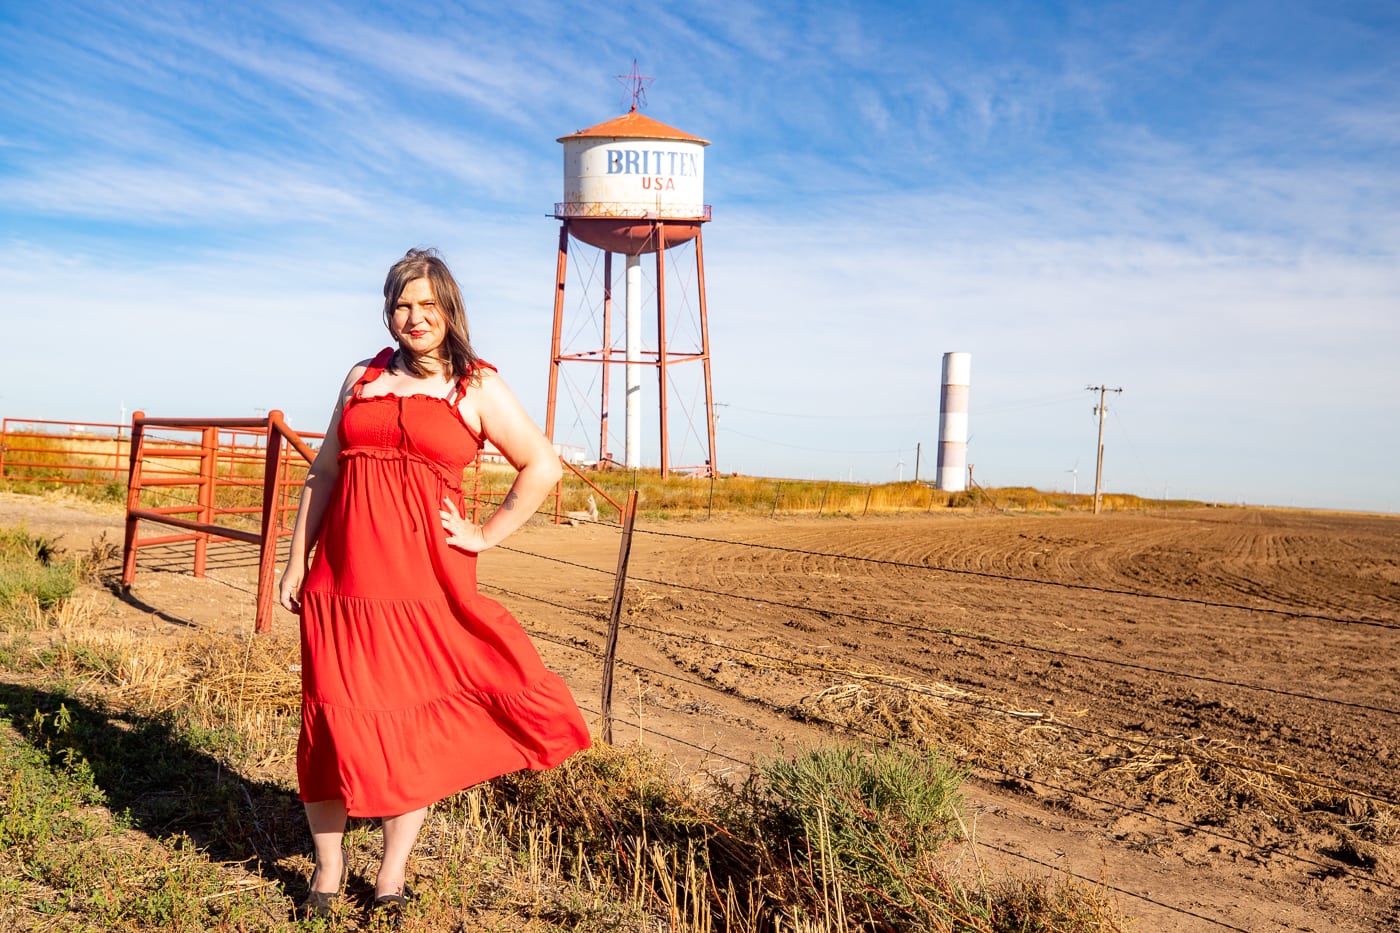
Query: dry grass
(174,759)
(1213,779)
(679,497)
(1210,782)
(86,467)
(968,726)
(35,459)
(95,468)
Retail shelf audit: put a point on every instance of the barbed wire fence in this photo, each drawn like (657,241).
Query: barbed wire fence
(606,653)
(603,629)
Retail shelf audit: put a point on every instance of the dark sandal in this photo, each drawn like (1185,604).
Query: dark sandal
(320,903)
(392,905)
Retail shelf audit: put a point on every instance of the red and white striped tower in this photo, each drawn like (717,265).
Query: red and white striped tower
(952,422)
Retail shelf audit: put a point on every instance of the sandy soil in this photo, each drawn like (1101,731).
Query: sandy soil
(1078,657)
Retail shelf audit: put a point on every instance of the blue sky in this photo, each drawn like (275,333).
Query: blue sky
(1198,202)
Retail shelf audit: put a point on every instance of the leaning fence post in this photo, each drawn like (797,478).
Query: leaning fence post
(629,516)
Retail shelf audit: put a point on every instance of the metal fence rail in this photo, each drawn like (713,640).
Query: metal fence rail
(207,480)
(196,462)
(63,452)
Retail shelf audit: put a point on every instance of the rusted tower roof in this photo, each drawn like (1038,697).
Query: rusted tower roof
(633,125)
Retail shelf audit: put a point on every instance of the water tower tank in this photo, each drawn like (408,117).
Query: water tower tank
(622,175)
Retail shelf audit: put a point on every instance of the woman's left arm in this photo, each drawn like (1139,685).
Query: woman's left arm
(520,441)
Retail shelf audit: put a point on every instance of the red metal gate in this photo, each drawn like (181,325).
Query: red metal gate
(207,466)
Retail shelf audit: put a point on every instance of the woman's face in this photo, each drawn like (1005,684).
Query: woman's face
(417,323)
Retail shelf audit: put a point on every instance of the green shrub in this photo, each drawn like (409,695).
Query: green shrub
(874,817)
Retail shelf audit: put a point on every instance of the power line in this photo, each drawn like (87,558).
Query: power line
(816,450)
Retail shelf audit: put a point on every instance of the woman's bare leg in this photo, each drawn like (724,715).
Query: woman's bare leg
(400,833)
(327,821)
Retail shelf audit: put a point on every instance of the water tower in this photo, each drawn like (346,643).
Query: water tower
(634,187)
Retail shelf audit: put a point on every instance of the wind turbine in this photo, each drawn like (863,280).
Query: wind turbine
(1075,473)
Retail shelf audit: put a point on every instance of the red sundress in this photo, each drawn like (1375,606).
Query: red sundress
(414,685)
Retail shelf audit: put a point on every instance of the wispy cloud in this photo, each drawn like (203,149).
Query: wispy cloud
(242,190)
(1199,201)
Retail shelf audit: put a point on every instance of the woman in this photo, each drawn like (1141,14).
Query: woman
(414,685)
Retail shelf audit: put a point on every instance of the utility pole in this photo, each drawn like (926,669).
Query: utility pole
(1099,409)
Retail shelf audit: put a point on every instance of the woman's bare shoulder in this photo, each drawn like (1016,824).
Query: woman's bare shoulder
(356,372)
(488,382)
(347,385)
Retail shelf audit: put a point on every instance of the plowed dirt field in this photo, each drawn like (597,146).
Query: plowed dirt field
(1199,709)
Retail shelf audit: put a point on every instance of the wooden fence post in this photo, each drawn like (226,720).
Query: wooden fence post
(624,552)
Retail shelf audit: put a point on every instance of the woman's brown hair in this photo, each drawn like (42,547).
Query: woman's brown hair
(458,356)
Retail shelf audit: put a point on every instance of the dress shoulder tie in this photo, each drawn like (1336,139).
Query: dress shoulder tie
(373,371)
